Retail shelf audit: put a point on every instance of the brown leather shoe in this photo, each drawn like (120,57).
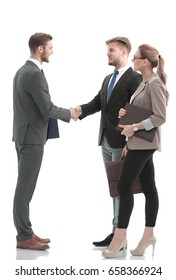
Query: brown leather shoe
(41,240)
(32,244)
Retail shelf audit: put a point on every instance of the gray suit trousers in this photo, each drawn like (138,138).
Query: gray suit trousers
(29,163)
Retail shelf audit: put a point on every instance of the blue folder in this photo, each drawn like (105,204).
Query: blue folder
(53,129)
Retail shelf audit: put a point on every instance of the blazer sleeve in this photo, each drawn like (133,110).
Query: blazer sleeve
(91,107)
(40,93)
(158,100)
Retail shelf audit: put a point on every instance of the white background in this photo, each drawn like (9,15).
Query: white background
(71,203)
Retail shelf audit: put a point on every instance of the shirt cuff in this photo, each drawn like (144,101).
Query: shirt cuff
(147,124)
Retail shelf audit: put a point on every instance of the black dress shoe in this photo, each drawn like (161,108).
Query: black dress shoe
(104,242)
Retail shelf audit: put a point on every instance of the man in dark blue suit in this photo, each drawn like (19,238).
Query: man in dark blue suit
(109,100)
(35,120)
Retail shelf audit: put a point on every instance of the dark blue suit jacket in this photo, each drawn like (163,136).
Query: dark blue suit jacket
(121,94)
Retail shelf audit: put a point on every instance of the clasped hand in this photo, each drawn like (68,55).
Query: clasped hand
(75,112)
(127,129)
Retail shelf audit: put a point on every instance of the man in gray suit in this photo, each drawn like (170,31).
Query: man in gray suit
(33,109)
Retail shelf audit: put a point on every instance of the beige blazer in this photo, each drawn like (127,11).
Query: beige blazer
(150,94)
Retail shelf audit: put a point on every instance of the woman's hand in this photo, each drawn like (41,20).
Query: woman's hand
(127,130)
(122,113)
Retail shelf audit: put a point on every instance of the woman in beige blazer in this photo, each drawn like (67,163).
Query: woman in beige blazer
(151,94)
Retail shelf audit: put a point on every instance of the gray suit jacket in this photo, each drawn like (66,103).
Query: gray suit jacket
(151,95)
(32,106)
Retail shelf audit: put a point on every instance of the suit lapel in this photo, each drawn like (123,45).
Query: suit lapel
(137,92)
(142,86)
(120,81)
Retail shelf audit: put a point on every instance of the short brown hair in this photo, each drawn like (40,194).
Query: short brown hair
(121,40)
(38,39)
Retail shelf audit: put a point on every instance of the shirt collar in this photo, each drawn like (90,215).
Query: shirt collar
(123,69)
(36,62)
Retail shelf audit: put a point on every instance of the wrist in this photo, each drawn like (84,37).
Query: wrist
(135,127)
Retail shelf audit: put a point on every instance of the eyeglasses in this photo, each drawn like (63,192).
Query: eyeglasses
(135,57)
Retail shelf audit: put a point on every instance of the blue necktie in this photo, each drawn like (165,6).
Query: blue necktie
(111,85)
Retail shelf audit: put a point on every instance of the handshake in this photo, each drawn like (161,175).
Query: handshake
(75,112)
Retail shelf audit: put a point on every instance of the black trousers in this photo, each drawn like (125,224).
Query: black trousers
(29,163)
(138,163)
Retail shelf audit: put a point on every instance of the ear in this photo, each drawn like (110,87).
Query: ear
(40,49)
(146,61)
(123,52)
